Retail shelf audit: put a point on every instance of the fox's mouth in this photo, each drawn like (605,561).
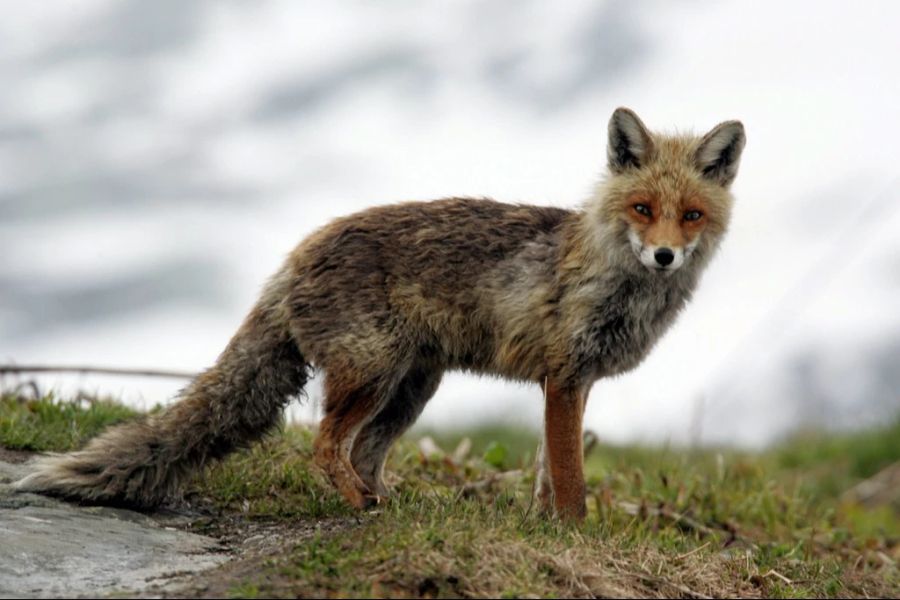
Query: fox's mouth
(646,256)
(651,265)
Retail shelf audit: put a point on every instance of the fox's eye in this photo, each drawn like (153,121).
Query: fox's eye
(692,215)
(643,209)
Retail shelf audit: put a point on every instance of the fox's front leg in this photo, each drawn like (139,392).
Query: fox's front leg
(563,452)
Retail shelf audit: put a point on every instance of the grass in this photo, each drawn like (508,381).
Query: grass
(663,522)
(51,423)
(274,479)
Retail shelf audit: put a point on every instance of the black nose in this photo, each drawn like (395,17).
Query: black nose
(664,256)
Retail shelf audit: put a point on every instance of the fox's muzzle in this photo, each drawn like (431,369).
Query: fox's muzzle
(659,258)
(664,257)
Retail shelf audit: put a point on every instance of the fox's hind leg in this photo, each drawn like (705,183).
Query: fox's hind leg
(371,446)
(348,408)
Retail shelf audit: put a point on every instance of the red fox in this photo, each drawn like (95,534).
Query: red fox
(387,300)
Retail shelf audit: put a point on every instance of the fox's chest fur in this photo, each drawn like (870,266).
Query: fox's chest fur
(629,314)
(601,325)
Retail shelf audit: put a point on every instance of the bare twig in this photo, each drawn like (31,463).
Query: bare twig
(679,519)
(10,369)
(775,573)
(694,551)
(482,484)
(659,582)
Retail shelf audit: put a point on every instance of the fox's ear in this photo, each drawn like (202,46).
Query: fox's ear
(719,152)
(630,144)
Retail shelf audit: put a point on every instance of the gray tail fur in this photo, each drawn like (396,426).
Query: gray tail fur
(226,407)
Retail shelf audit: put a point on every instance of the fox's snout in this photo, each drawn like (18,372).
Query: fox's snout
(661,257)
(664,256)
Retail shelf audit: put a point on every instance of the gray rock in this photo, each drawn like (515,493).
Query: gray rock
(49,548)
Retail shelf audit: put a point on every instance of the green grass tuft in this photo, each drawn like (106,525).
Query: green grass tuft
(272,479)
(49,423)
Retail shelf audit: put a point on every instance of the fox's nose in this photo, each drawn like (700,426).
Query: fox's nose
(664,256)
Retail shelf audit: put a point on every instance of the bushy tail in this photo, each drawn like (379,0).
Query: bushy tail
(226,407)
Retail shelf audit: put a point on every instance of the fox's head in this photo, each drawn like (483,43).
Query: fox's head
(667,197)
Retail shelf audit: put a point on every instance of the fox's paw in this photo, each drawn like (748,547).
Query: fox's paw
(348,483)
(359,496)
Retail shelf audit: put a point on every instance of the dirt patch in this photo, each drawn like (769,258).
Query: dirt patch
(15,456)
(252,543)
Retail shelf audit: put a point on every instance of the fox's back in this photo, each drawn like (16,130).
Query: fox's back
(410,274)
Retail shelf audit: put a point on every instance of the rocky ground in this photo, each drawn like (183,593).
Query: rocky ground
(56,549)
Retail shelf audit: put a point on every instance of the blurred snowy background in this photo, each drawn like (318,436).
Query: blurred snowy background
(158,159)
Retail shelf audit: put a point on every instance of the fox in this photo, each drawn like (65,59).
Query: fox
(384,302)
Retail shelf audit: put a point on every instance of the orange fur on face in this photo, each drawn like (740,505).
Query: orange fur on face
(666,226)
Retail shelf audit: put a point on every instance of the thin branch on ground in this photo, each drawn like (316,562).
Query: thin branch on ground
(16,369)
